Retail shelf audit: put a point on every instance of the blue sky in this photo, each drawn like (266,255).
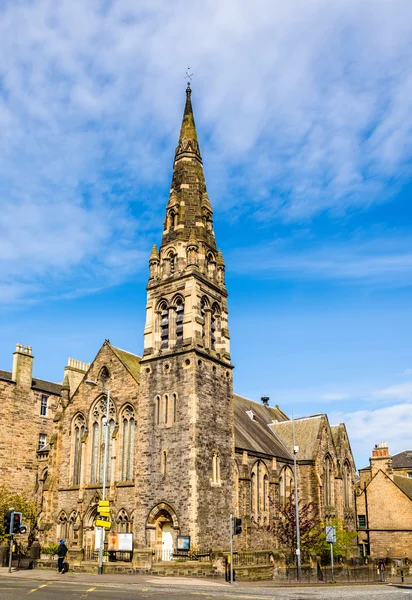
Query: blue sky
(303,111)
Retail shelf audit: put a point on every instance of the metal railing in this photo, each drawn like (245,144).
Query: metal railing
(198,554)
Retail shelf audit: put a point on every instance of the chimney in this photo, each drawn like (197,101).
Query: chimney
(74,373)
(381,460)
(265,401)
(22,372)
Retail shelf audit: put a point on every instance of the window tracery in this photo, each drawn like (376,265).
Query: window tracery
(128,430)
(259,489)
(286,484)
(327,481)
(98,420)
(79,427)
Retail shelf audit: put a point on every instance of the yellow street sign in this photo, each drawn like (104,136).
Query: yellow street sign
(101,523)
(103,512)
(104,503)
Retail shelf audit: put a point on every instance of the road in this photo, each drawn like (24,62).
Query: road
(16,589)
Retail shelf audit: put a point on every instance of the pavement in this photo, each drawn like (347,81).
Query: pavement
(49,584)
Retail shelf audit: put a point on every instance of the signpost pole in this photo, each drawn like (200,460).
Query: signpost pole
(231,548)
(331,561)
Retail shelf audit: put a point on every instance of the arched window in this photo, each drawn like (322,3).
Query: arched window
(123,522)
(172,259)
(327,481)
(62,526)
(98,428)
(347,485)
(166,409)
(104,376)
(259,489)
(214,325)
(128,427)
(205,313)
(180,308)
(216,468)
(164,325)
(157,410)
(286,485)
(79,426)
(164,463)
(174,408)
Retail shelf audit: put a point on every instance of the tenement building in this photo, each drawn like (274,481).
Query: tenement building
(384,505)
(184,451)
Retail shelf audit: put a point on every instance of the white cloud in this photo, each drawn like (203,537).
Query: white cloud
(305,108)
(402,391)
(407,372)
(366,428)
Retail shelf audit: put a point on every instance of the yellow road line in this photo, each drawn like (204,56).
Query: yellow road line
(90,589)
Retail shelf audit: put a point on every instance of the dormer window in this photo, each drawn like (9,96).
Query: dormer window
(251,415)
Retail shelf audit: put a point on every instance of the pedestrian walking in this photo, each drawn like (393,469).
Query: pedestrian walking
(61,553)
(382,569)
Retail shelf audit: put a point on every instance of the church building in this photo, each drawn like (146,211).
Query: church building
(184,451)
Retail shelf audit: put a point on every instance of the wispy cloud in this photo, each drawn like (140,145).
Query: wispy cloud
(386,260)
(305,109)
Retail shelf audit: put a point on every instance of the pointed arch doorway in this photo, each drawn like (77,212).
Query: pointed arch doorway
(162,527)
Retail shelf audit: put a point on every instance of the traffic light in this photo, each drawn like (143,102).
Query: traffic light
(16,522)
(7,521)
(237,526)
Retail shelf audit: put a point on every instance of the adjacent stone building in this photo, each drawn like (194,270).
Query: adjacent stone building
(184,451)
(384,506)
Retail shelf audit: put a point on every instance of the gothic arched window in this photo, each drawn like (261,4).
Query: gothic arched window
(214,325)
(172,260)
(123,522)
(180,308)
(216,468)
(164,325)
(347,485)
(174,408)
(128,427)
(79,426)
(63,526)
(327,481)
(259,489)
(98,428)
(286,485)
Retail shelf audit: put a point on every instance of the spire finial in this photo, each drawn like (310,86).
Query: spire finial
(188,76)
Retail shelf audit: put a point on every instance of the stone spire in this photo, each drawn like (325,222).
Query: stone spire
(188,209)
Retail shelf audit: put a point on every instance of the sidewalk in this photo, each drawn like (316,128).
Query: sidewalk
(142,580)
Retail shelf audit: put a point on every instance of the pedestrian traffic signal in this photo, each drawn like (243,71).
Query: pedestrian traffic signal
(237,526)
(16,522)
(7,522)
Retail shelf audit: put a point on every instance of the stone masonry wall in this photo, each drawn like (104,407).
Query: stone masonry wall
(21,424)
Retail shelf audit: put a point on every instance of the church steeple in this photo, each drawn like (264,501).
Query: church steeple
(187,294)
(188,209)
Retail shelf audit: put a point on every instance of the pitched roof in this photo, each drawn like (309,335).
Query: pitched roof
(6,375)
(403,460)
(254,434)
(306,435)
(130,361)
(404,484)
(40,385)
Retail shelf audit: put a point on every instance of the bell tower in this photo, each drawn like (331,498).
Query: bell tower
(186,432)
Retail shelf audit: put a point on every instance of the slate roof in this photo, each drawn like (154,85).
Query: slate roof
(40,385)
(404,484)
(130,361)
(306,435)
(403,460)
(254,434)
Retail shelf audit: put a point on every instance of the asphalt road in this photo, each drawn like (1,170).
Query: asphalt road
(12,589)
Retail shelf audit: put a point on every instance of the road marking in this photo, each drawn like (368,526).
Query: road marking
(90,590)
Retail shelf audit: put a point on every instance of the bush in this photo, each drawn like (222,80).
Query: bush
(50,549)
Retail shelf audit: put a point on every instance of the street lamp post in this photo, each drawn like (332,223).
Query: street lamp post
(295,472)
(105,457)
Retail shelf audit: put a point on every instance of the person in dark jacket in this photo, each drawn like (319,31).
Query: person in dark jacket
(61,553)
